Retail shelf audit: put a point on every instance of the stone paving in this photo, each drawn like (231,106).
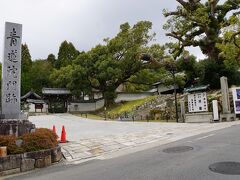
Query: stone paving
(79,127)
(94,139)
(96,148)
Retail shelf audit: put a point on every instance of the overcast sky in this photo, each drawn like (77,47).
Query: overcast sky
(85,23)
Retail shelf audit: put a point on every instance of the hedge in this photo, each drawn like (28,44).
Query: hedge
(39,140)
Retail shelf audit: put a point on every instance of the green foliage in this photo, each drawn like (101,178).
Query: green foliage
(197,23)
(26,59)
(172,74)
(66,54)
(40,75)
(210,73)
(51,59)
(156,51)
(128,107)
(143,80)
(188,64)
(200,24)
(212,26)
(25,71)
(26,82)
(107,66)
(230,50)
(61,77)
(35,74)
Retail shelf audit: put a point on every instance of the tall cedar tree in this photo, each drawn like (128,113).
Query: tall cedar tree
(26,81)
(66,54)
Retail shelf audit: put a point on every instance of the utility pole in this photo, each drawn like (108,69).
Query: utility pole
(171,67)
(175,96)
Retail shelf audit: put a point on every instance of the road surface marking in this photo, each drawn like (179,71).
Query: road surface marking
(204,137)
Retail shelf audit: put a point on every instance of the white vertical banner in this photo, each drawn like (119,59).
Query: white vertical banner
(236,99)
(215,110)
(11,71)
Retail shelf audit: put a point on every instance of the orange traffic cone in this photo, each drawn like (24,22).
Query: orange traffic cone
(63,135)
(54,129)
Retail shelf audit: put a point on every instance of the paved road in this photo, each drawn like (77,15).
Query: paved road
(154,164)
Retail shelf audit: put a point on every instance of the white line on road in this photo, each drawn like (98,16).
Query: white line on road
(204,137)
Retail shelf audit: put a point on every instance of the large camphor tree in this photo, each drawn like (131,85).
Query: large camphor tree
(108,65)
(201,23)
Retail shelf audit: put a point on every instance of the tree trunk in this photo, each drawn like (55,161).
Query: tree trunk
(108,102)
(109,97)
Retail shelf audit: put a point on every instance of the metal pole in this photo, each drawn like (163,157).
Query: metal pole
(175,96)
(105,112)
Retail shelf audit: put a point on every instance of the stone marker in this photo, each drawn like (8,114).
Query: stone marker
(11,71)
(225,95)
(182,109)
(12,121)
(226,114)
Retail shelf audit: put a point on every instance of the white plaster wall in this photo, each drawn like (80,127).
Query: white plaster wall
(84,107)
(31,107)
(162,88)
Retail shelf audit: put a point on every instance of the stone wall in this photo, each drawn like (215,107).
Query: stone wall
(204,117)
(28,161)
(15,127)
